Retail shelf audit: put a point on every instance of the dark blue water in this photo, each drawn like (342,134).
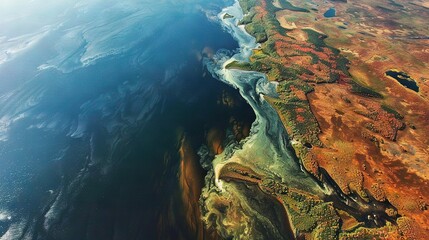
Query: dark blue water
(404,80)
(90,127)
(330,13)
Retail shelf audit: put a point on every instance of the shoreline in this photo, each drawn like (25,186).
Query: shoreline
(267,131)
(266,151)
(269,153)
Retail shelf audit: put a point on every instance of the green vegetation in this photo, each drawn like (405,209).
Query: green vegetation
(298,119)
(367,233)
(364,91)
(393,3)
(343,65)
(258,31)
(392,111)
(308,214)
(316,38)
(254,66)
(266,31)
(247,19)
(287,5)
(239,65)
(227,15)
(386,10)
(310,217)
(248,5)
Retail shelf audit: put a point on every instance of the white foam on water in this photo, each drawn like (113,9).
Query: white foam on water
(81,32)
(266,147)
(14,231)
(14,47)
(5,216)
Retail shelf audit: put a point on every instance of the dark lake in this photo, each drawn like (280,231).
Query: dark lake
(403,79)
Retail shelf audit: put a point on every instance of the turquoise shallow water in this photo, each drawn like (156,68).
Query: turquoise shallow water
(93,96)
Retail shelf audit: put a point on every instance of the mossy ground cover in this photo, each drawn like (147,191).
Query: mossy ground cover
(298,66)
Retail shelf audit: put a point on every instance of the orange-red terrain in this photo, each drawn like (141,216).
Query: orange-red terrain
(346,118)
